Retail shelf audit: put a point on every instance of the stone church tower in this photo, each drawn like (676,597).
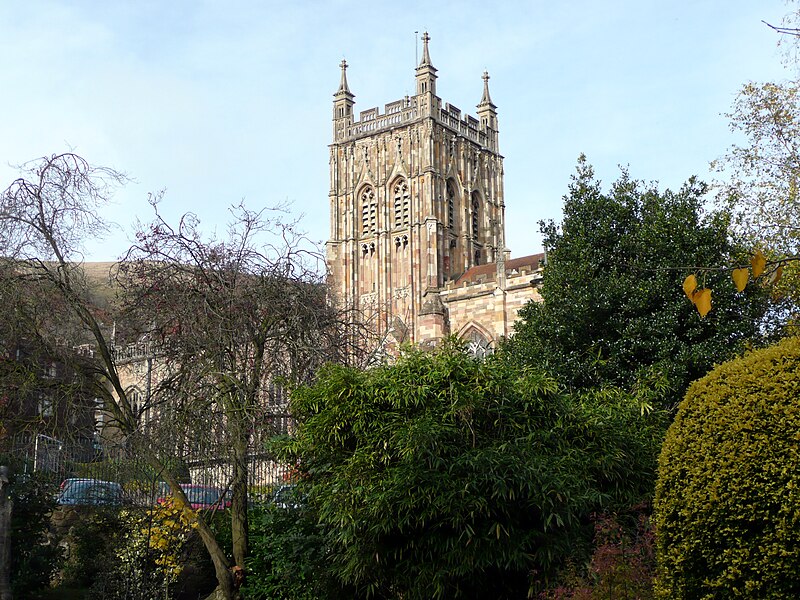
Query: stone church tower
(416,199)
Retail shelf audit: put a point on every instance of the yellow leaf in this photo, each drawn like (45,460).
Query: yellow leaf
(740,278)
(702,300)
(776,276)
(758,262)
(689,286)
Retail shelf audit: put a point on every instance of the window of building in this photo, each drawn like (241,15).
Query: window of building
(451,205)
(401,204)
(369,212)
(135,400)
(477,344)
(276,395)
(475,216)
(45,406)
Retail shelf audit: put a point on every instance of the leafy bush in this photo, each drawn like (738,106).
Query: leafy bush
(93,534)
(156,553)
(287,560)
(34,558)
(443,476)
(727,502)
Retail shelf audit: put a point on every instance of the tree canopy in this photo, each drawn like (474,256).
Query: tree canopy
(231,320)
(760,176)
(612,311)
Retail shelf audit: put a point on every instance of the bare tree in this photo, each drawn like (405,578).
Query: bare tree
(235,320)
(45,215)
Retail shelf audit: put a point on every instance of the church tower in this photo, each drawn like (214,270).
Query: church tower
(416,200)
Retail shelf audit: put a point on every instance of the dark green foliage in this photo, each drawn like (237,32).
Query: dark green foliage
(288,557)
(613,311)
(444,477)
(34,558)
(92,536)
(728,497)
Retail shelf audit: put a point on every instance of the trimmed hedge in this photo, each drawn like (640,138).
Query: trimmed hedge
(727,505)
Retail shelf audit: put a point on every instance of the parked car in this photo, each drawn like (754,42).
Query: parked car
(89,492)
(203,497)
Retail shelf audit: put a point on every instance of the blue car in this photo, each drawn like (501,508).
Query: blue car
(89,492)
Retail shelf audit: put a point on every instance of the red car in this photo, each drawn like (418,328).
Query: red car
(204,497)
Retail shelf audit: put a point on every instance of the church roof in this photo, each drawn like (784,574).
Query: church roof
(488,272)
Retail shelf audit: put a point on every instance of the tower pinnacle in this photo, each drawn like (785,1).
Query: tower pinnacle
(342,105)
(426,72)
(487,113)
(344,89)
(426,57)
(486,98)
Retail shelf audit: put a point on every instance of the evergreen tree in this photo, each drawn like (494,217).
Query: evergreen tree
(613,311)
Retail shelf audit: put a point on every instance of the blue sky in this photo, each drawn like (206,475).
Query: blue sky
(216,101)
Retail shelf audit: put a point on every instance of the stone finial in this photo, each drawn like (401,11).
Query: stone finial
(486,98)
(343,87)
(426,57)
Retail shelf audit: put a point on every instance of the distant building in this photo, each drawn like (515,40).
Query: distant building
(46,411)
(417,235)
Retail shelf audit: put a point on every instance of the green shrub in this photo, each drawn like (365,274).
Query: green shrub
(34,558)
(287,560)
(157,554)
(92,536)
(445,477)
(727,503)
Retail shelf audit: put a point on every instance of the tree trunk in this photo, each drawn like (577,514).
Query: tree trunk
(239,497)
(6,505)
(225,584)
(225,588)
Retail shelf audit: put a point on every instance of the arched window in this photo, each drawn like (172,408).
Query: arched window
(369,211)
(477,344)
(451,205)
(135,400)
(401,204)
(475,215)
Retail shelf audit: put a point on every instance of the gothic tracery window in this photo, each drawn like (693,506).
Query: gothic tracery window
(369,211)
(401,204)
(477,344)
(136,401)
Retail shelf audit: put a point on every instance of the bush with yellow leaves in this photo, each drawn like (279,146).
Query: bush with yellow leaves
(165,529)
(727,505)
(150,555)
